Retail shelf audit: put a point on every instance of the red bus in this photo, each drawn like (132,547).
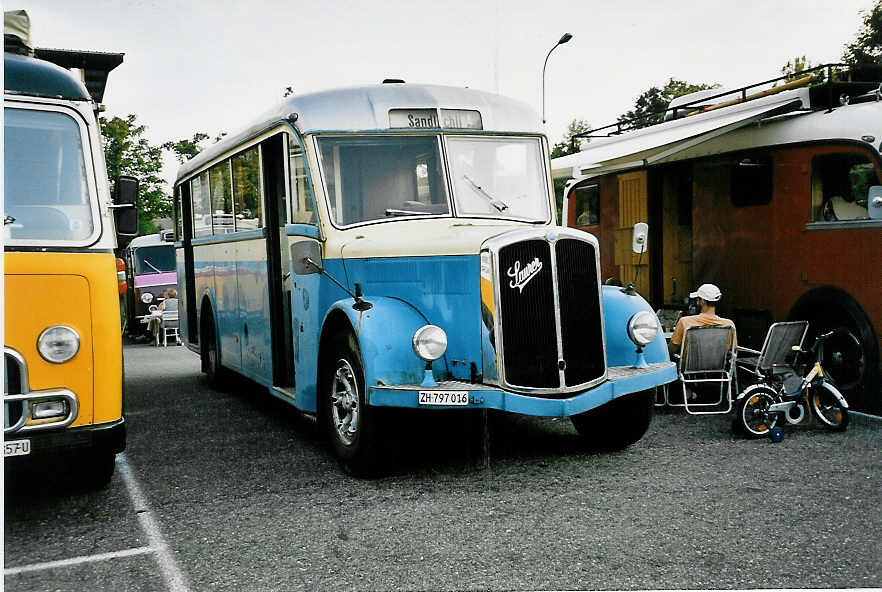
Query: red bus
(772,191)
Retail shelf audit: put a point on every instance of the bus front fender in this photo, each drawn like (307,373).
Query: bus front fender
(384,334)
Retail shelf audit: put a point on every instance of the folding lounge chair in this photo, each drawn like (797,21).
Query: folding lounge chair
(707,356)
(777,349)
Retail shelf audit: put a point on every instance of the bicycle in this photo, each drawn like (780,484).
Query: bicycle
(784,393)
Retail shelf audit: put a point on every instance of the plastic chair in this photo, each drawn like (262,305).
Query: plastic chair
(707,355)
(169,325)
(777,349)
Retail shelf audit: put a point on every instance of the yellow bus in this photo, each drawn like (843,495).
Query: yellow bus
(63,379)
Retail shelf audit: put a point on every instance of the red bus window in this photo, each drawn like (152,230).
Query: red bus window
(840,183)
(587,205)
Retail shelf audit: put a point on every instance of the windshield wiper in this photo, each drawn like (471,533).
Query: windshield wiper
(496,203)
(153,266)
(7,219)
(394,212)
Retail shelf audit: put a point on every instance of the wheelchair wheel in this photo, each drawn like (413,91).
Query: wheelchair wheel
(752,418)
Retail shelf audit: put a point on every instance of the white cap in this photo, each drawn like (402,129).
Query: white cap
(707,292)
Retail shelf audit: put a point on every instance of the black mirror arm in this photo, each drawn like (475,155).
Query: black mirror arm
(360,304)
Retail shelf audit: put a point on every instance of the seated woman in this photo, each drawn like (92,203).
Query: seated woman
(169,303)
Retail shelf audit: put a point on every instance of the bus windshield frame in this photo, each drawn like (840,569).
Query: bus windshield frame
(431,191)
(73,215)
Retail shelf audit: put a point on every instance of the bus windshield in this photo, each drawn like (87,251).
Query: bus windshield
(154,260)
(498,177)
(381,177)
(46,194)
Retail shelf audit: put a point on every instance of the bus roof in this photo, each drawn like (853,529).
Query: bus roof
(149,240)
(366,109)
(37,78)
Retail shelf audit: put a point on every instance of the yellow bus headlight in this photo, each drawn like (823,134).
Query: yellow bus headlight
(58,344)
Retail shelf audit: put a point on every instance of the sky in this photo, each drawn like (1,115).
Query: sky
(214,66)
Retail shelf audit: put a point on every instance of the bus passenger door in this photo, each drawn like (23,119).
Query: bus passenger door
(632,209)
(273,157)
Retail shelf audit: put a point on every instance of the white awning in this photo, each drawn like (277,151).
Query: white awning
(652,144)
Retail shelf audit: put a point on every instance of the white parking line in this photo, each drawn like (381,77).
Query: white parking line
(174,577)
(11,571)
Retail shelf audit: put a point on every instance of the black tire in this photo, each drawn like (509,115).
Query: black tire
(828,409)
(851,355)
(349,423)
(210,353)
(751,418)
(618,424)
(96,470)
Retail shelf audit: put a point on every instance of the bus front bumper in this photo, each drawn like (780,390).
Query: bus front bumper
(621,380)
(104,437)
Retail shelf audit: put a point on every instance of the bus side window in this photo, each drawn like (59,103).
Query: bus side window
(587,205)
(246,189)
(840,183)
(221,184)
(201,206)
(302,201)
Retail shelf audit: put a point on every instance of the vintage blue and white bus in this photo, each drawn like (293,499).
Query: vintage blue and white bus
(395,245)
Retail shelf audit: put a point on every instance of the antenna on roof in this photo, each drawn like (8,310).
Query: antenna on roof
(393,81)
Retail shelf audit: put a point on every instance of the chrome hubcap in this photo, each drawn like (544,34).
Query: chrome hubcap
(344,403)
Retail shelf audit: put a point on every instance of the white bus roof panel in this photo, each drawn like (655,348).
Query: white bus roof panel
(661,140)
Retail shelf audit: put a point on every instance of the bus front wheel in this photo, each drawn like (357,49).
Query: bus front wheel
(346,418)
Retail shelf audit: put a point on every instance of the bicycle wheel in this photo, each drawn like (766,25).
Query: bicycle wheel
(752,418)
(828,408)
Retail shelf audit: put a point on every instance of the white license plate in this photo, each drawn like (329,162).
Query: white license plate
(459,398)
(17,448)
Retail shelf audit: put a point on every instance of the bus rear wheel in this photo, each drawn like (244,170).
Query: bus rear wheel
(618,424)
(347,420)
(850,356)
(211,365)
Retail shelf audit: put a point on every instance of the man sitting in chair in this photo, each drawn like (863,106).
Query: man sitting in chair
(708,295)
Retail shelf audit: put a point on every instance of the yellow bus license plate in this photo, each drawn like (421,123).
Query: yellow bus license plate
(16,448)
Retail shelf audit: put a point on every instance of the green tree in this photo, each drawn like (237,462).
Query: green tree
(186,149)
(867,45)
(565,146)
(650,104)
(128,152)
(796,66)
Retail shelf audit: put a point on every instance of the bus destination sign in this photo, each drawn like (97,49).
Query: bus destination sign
(430,119)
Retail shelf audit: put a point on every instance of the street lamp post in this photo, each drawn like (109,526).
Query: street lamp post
(564,38)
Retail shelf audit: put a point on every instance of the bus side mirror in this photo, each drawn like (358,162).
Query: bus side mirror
(125,207)
(306,257)
(638,240)
(874,202)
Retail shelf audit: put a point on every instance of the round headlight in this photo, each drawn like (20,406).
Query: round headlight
(642,328)
(58,344)
(430,342)
(146,297)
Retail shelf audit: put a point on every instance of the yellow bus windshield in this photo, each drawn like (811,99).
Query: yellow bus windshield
(46,189)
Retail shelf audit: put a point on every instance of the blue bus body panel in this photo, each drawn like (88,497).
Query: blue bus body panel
(406,294)
(232,276)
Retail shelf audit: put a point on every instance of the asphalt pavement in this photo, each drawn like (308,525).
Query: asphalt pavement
(234,490)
